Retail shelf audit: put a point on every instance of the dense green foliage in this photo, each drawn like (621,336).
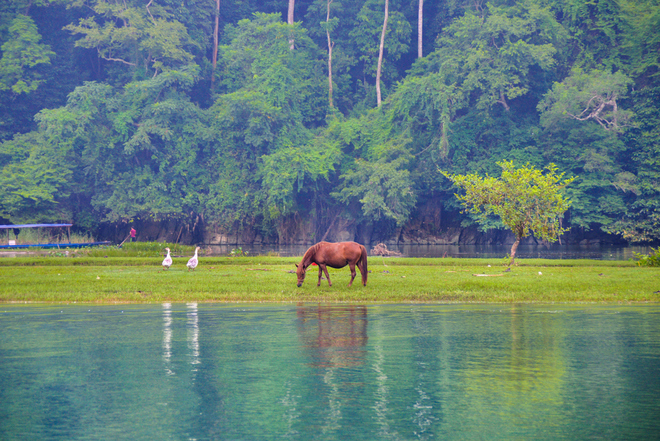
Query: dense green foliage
(111,110)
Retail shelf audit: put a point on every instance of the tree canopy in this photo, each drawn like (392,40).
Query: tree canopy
(235,117)
(524,199)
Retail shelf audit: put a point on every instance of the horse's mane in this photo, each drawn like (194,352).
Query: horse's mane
(307,257)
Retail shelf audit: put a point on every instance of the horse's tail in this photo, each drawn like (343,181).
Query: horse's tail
(363,264)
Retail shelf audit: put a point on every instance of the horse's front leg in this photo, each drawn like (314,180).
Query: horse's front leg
(327,276)
(353,273)
(320,275)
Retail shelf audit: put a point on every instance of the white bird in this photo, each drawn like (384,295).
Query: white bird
(167,262)
(192,263)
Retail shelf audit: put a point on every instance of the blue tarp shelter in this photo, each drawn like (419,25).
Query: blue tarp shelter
(35,226)
(49,245)
(19,226)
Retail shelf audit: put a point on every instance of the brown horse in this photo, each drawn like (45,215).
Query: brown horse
(334,255)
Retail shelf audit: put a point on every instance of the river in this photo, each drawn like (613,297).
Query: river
(329,372)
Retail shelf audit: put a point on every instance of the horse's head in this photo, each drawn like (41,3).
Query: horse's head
(300,272)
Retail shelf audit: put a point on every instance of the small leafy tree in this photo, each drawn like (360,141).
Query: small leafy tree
(525,199)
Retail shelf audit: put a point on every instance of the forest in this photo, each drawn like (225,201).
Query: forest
(287,120)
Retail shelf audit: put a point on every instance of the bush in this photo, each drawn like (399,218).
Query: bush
(651,259)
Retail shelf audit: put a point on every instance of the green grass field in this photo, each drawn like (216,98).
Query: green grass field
(270,279)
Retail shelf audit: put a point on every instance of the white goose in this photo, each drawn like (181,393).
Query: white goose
(192,263)
(167,262)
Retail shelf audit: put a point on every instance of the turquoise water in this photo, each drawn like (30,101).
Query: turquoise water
(303,372)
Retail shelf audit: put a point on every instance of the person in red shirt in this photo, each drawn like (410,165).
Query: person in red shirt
(133,234)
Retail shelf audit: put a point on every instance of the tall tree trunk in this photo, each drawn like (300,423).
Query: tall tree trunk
(514,248)
(380,53)
(215,40)
(289,19)
(420,21)
(330,45)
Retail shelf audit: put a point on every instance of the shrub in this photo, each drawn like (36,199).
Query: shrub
(651,259)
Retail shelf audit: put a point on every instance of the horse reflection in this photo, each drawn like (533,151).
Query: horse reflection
(336,336)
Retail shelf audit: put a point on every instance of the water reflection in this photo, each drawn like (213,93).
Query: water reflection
(193,334)
(200,371)
(335,340)
(427,407)
(381,395)
(519,370)
(167,337)
(334,336)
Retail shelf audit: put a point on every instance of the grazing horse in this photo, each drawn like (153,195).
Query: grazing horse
(334,255)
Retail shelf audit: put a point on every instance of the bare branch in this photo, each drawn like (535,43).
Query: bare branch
(149,4)
(114,59)
(596,113)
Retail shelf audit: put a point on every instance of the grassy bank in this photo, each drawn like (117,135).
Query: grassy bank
(257,279)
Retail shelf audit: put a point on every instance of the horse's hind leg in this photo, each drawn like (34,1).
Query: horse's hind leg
(353,273)
(363,273)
